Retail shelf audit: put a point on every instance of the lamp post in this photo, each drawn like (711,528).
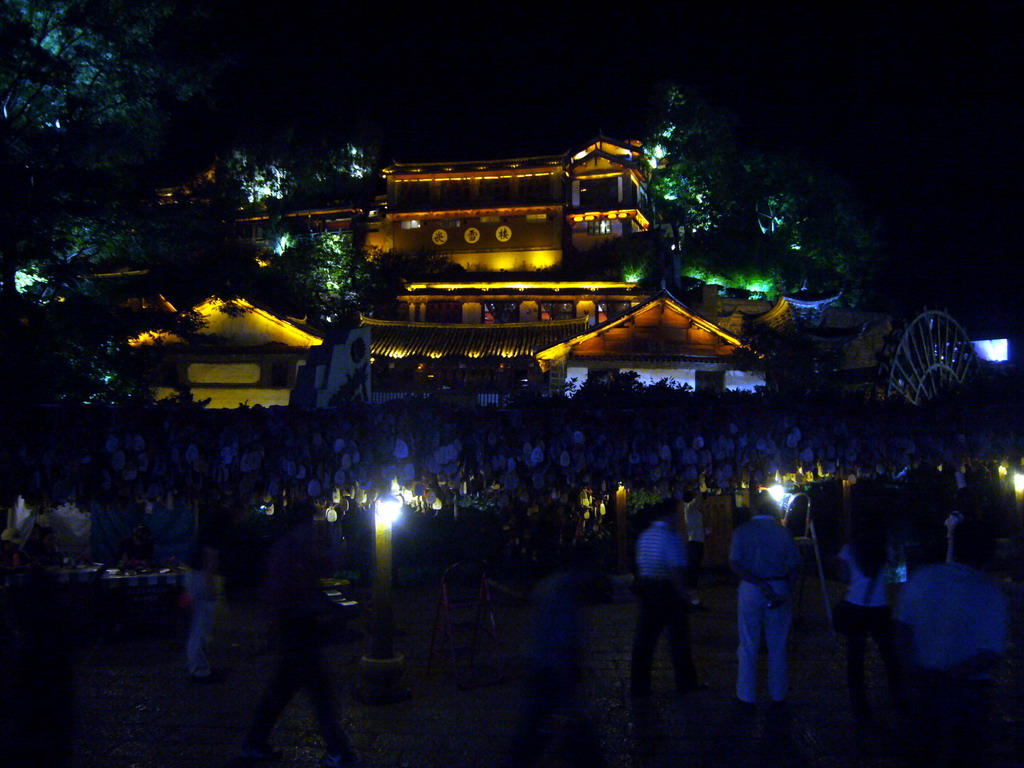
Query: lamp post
(380,669)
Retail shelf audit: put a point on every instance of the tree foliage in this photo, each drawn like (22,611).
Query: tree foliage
(284,169)
(85,89)
(745,217)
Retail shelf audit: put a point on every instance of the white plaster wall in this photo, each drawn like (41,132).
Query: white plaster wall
(743,380)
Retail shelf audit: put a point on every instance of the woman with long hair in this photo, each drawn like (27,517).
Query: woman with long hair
(865,560)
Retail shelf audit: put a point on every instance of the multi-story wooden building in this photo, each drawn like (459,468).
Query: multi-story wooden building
(512,226)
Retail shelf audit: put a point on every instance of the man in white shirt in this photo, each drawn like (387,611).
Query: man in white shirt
(951,624)
(766,559)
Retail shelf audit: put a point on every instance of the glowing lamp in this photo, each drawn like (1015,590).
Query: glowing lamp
(1018,483)
(777,492)
(388,509)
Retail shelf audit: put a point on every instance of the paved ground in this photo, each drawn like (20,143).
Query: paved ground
(135,709)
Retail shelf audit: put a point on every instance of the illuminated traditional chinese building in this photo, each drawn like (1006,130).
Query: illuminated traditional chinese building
(245,354)
(510,226)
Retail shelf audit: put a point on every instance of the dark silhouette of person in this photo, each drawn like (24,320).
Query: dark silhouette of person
(551,707)
(664,602)
(297,562)
(136,549)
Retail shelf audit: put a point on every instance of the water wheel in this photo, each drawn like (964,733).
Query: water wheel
(933,355)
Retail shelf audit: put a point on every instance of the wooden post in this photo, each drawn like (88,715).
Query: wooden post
(846,505)
(621,537)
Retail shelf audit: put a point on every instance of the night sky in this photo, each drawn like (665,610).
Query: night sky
(913,103)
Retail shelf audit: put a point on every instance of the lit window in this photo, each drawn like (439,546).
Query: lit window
(412,224)
(600,227)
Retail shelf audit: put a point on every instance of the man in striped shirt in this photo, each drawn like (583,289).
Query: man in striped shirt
(664,601)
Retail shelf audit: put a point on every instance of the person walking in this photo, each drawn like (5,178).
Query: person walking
(864,561)
(204,587)
(664,602)
(766,559)
(552,704)
(296,563)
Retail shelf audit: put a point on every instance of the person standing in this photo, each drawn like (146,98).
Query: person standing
(965,507)
(696,535)
(296,564)
(204,587)
(664,602)
(951,628)
(766,559)
(864,561)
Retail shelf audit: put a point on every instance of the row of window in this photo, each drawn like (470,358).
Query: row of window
(532,218)
(460,191)
(503,311)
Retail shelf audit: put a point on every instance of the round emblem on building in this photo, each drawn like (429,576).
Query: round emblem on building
(440,237)
(504,234)
(472,235)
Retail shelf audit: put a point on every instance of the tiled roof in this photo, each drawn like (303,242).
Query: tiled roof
(397,339)
(511,163)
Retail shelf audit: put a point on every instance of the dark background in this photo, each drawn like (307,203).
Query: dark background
(913,103)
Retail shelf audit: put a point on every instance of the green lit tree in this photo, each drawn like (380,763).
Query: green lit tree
(273,170)
(330,279)
(86,87)
(745,218)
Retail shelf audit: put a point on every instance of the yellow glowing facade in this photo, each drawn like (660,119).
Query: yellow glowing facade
(518,214)
(246,355)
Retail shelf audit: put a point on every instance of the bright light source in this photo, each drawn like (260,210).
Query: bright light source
(332,515)
(992,350)
(777,492)
(389,509)
(1018,483)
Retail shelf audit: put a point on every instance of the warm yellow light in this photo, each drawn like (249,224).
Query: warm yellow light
(1018,483)
(536,285)
(1002,471)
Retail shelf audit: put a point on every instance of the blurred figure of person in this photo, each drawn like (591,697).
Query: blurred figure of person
(204,586)
(297,562)
(965,507)
(766,559)
(864,562)
(551,707)
(136,549)
(12,557)
(664,602)
(35,545)
(951,628)
(696,535)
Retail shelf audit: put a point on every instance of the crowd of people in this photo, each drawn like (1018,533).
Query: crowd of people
(939,642)
(938,648)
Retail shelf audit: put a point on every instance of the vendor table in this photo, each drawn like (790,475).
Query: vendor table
(137,599)
(117,579)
